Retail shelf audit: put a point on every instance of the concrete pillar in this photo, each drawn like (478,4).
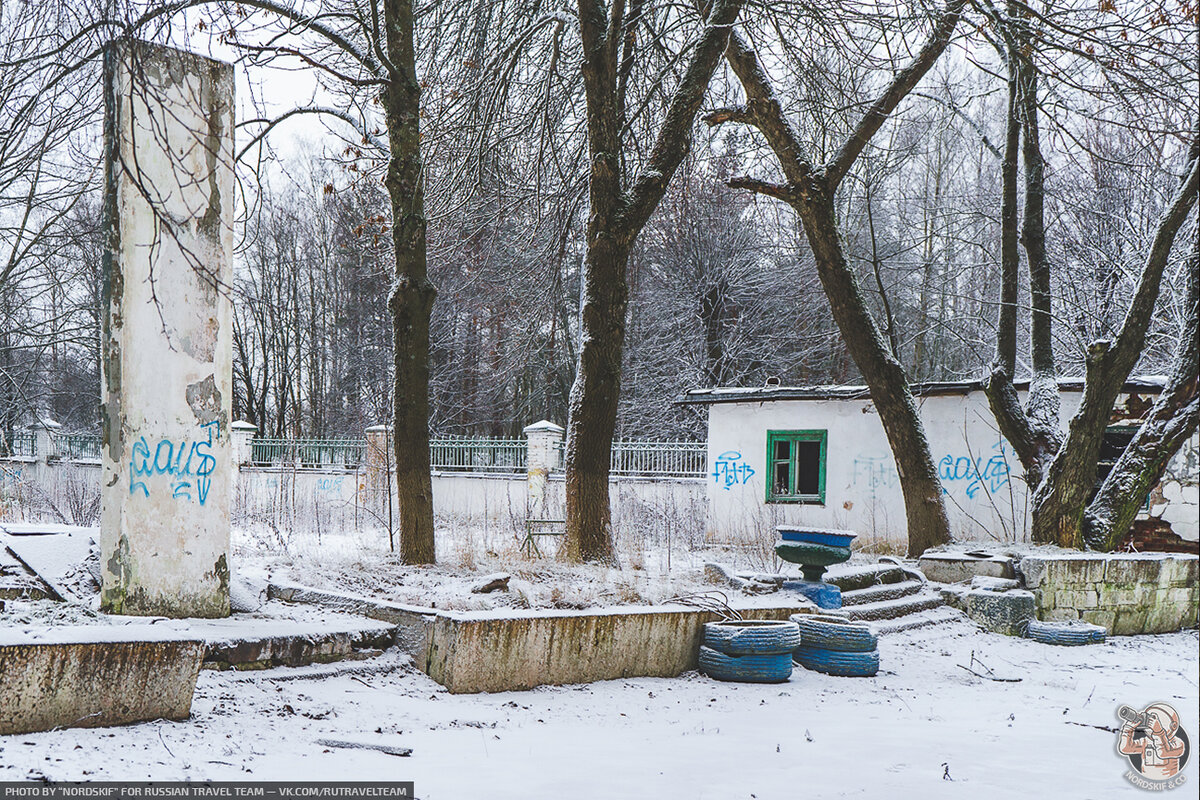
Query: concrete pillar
(167,336)
(45,432)
(542,455)
(241,434)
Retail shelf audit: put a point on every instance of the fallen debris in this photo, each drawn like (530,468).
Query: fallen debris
(988,674)
(496,582)
(391,750)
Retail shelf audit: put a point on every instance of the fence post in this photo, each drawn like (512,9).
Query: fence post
(241,434)
(541,456)
(45,431)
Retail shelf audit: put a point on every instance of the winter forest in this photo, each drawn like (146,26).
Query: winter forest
(579,211)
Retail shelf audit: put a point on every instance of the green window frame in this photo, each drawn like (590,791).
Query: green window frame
(796,466)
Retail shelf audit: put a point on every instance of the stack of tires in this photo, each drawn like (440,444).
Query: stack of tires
(836,646)
(749,651)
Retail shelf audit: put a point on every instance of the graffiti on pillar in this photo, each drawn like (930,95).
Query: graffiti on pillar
(189,464)
(729,470)
(975,472)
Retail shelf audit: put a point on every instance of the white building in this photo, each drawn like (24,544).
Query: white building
(818,456)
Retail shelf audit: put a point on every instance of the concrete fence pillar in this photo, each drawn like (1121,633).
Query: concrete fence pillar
(241,434)
(543,440)
(45,432)
(379,457)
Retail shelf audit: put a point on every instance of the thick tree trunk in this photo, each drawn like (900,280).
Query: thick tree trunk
(592,414)
(1058,502)
(810,192)
(1171,421)
(411,300)
(924,510)
(617,215)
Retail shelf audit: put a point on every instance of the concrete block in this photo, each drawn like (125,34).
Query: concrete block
(1110,596)
(955,596)
(995,584)
(1177,570)
(1131,570)
(956,567)
(1034,571)
(1078,599)
(1059,614)
(413,623)
(1129,622)
(1001,612)
(1098,617)
(1164,618)
(502,651)
(93,676)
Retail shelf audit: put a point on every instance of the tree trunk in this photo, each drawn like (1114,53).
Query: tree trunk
(1170,422)
(924,510)
(592,415)
(411,300)
(1058,502)
(810,192)
(616,217)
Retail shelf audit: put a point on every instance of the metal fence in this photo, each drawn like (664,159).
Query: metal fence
(478,455)
(310,453)
(23,444)
(497,456)
(659,459)
(78,446)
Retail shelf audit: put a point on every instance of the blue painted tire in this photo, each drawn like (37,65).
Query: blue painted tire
(834,633)
(1065,634)
(835,662)
(775,668)
(765,637)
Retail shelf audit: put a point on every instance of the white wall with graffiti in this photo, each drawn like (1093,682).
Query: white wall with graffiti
(984,492)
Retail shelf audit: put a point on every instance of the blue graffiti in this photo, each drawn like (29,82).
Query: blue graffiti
(993,473)
(190,464)
(331,485)
(729,470)
(874,473)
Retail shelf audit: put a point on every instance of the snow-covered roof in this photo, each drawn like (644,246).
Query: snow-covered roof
(1147,384)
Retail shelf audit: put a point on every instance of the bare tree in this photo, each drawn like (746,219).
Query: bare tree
(810,190)
(1060,469)
(618,210)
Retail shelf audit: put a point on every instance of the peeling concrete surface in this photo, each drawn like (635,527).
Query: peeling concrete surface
(167,336)
(79,678)
(479,653)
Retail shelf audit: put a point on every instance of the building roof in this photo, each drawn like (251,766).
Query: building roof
(1149,384)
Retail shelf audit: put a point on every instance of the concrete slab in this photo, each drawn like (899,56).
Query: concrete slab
(503,651)
(412,623)
(94,676)
(59,559)
(45,529)
(958,567)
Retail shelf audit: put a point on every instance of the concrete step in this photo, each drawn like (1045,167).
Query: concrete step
(941,615)
(883,591)
(863,576)
(891,609)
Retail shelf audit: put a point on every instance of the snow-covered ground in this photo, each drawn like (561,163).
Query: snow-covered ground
(923,728)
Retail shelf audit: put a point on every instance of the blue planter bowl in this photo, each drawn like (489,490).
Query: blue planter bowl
(817,536)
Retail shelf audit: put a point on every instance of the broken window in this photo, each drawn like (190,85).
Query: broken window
(796,464)
(1116,439)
